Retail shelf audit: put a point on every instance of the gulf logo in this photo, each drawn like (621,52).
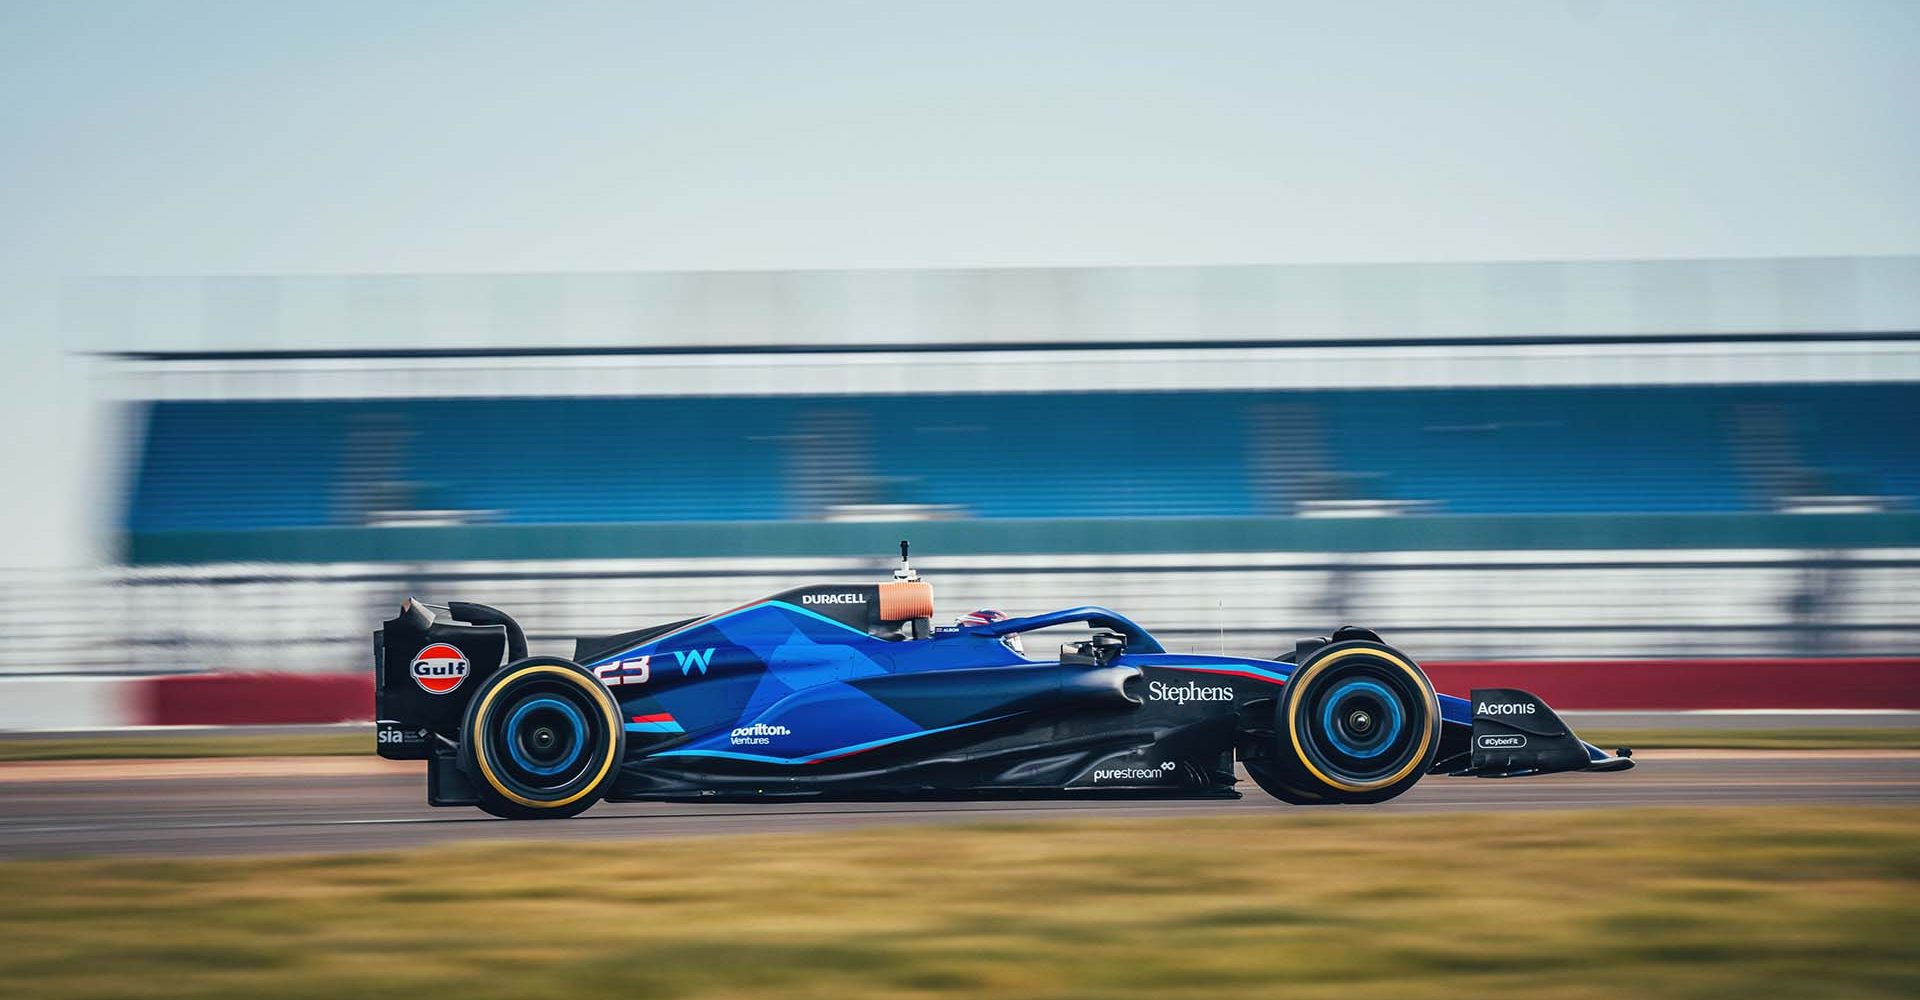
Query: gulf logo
(439,668)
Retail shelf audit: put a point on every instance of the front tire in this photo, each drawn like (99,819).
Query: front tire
(1272,780)
(542,739)
(1359,722)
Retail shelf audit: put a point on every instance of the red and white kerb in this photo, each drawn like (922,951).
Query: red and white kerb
(439,668)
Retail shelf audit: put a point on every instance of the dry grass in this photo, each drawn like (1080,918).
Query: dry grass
(1675,903)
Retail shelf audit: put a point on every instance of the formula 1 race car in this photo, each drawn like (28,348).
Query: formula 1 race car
(848,691)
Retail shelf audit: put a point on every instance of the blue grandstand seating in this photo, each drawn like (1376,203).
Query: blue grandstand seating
(1547,451)
(248,464)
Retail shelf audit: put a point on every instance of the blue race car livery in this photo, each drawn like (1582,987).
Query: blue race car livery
(849,691)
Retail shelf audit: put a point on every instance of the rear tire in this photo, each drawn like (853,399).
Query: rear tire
(1358,722)
(542,740)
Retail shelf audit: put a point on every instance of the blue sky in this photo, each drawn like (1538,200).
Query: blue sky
(275,137)
(236,137)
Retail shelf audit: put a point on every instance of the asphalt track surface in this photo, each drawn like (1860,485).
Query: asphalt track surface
(346,804)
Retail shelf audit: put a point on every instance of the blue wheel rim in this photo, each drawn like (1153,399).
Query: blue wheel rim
(576,735)
(1337,701)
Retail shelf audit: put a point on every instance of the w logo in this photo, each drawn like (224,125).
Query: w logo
(691,658)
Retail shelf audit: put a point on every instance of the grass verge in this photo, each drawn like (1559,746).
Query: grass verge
(1659,903)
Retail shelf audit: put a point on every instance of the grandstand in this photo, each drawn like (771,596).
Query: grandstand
(213,465)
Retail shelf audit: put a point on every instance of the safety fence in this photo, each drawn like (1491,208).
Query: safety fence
(1660,685)
(1535,605)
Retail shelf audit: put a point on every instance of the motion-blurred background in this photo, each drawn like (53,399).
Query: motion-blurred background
(611,315)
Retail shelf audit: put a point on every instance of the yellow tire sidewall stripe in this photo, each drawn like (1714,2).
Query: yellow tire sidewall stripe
(480,724)
(1298,683)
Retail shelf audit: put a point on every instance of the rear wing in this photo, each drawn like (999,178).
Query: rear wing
(427,662)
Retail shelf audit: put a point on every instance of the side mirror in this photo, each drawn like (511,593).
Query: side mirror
(1097,650)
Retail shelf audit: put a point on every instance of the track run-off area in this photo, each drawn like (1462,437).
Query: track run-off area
(215,807)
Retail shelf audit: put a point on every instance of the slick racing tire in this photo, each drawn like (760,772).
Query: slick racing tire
(542,739)
(1357,722)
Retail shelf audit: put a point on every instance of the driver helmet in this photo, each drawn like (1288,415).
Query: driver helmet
(987,616)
